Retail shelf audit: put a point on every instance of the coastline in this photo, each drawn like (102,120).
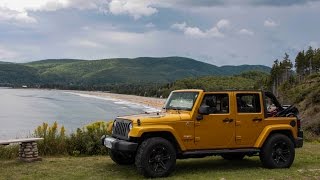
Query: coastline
(152,102)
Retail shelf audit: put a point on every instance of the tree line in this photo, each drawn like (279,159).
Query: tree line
(285,74)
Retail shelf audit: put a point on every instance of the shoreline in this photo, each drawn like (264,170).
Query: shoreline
(152,102)
(149,102)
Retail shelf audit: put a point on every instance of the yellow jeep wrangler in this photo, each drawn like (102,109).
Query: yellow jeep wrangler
(196,123)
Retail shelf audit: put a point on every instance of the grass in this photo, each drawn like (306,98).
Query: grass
(305,166)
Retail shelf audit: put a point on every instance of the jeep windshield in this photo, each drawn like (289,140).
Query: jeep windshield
(181,101)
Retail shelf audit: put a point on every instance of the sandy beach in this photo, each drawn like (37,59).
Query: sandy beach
(147,101)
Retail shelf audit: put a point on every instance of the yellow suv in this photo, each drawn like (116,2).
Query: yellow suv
(196,123)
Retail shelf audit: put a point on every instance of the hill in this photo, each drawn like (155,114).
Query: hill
(2,62)
(245,80)
(306,97)
(17,74)
(243,68)
(121,70)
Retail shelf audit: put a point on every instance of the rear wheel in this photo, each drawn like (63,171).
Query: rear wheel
(233,156)
(277,152)
(156,157)
(122,158)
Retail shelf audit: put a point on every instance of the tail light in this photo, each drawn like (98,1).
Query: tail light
(298,123)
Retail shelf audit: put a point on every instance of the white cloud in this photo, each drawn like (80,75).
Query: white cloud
(12,15)
(194,31)
(270,23)
(179,26)
(223,23)
(150,25)
(197,32)
(87,43)
(134,8)
(246,32)
(17,10)
(314,44)
(5,53)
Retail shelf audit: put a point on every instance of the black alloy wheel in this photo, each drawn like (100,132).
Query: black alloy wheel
(156,157)
(159,158)
(277,152)
(281,153)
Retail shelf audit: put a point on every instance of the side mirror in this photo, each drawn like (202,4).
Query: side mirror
(203,110)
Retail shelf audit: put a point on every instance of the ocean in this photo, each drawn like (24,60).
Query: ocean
(22,110)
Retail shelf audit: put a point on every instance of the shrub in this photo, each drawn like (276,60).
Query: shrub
(54,139)
(85,141)
(9,152)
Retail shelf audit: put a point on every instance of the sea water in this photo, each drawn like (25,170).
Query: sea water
(22,110)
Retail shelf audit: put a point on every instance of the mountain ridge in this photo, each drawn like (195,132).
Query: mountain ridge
(120,70)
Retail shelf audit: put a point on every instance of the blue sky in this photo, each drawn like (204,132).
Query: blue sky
(229,32)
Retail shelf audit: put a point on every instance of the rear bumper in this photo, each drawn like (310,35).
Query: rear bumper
(117,144)
(299,140)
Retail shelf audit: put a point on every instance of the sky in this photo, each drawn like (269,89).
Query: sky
(220,32)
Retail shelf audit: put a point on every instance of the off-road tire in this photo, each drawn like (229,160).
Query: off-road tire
(156,157)
(277,152)
(122,158)
(233,156)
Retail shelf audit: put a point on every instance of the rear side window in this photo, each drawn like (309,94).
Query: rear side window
(248,103)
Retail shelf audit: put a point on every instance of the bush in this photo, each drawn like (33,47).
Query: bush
(9,152)
(85,141)
(54,140)
(310,136)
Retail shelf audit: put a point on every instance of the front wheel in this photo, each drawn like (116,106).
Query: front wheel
(122,158)
(156,157)
(277,152)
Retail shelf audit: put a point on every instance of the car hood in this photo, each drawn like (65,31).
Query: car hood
(157,117)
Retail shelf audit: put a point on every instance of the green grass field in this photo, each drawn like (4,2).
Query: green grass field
(305,166)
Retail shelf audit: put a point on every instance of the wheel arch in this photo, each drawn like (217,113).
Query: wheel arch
(269,131)
(163,134)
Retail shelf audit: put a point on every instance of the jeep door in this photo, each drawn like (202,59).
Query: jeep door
(216,128)
(249,117)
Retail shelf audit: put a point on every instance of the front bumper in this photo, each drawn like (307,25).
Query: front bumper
(117,144)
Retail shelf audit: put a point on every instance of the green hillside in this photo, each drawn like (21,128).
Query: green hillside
(119,71)
(306,96)
(18,74)
(243,68)
(245,80)
(44,65)
(2,62)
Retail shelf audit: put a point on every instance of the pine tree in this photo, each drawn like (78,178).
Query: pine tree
(300,64)
(309,60)
(316,60)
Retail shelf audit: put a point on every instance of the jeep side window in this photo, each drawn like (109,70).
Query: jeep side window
(248,103)
(216,103)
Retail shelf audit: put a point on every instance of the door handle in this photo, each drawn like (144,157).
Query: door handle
(227,120)
(257,119)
